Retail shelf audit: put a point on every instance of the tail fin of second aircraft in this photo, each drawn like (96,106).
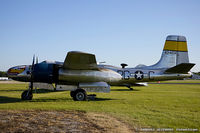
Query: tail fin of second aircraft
(175,52)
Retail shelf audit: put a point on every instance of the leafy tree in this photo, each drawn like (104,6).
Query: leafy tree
(198,73)
(3,74)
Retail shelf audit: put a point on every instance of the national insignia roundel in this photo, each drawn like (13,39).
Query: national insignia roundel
(139,75)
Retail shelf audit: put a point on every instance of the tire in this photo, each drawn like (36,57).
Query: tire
(72,93)
(26,95)
(79,95)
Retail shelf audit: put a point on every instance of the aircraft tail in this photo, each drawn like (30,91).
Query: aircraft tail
(175,52)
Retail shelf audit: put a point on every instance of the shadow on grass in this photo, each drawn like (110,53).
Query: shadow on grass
(34,91)
(42,91)
(100,99)
(124,90)
(50,100)
(11,90)
(68,99)
(4,99)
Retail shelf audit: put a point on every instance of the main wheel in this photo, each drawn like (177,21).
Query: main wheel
(27,95)
(79,95)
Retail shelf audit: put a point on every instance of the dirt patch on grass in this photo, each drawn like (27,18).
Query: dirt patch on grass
(60,121)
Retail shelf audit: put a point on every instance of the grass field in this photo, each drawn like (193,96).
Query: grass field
(156,106)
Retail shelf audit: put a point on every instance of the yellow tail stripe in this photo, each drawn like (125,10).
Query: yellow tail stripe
(176,46)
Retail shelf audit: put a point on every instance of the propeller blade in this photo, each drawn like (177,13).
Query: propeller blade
(33,62)
(36,60)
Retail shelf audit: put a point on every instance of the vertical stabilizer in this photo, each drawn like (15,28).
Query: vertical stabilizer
(175,52)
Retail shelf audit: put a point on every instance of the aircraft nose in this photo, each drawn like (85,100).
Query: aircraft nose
(19,73)
(15,71)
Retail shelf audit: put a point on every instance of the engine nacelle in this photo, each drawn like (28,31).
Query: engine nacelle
(46,72)
(85,76)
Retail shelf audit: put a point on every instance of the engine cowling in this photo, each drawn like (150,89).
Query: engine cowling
(45,72)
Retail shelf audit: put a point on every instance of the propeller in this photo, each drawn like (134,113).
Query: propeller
(36,60)
(32,69)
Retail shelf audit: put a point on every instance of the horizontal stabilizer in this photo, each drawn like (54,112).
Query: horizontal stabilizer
(181,68)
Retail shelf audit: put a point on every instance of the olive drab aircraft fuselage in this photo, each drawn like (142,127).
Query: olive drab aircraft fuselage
(81,69)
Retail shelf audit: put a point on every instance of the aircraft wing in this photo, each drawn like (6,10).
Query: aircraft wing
(80,61)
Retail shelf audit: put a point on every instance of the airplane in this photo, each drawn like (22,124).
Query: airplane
(81,70)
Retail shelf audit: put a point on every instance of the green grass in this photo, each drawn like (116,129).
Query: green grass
(155,106)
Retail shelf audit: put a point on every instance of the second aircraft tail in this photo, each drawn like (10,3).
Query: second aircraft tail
(175,52)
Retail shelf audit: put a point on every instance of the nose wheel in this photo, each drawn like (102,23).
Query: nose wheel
(27,95)
(129,87)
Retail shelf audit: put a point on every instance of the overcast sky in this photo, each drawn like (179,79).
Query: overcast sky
(116,31)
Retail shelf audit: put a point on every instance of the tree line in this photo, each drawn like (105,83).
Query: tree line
(3,74)
(198,73)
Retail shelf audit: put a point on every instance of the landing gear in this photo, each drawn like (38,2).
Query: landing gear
(72,93)
(78,95)
(27,95)
(129,87)
(54,86)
